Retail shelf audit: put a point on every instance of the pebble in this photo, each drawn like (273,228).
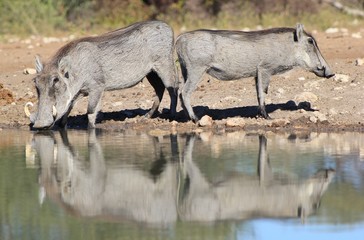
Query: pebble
(332,30)
(29,71)
(356,35)
(305,97)
(47,40)
(205,121)
(235,122)
(301,78)
(359,62)
(117,104)
(313,119)
(341,78)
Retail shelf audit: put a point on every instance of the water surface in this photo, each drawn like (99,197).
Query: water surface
(128,185)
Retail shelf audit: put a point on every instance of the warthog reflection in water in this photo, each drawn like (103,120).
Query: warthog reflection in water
(244,196)
(170,190)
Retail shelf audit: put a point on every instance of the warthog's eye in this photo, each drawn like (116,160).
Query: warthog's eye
(310,41)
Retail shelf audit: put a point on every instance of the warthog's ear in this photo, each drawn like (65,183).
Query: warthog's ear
(299,32)
(38,64)
(64,66)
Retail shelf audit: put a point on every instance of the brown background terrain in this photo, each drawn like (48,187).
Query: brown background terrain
(296,100)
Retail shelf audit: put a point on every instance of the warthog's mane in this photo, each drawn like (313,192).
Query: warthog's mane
(252,35)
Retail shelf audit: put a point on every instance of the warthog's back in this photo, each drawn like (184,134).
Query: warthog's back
(237,44)
(149,32)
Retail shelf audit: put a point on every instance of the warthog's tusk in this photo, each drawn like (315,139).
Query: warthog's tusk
(26,108)
(54,111)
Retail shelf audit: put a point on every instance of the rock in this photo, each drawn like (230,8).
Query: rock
(117,104)
(342,78)
(359,62)
(320,116)
(305,97)
(205,121)
(301,78)
(313,119)
(29,71)
(356,35)
(235,122)
(332,30)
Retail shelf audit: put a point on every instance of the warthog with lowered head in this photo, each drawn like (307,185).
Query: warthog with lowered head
(231,55)
(92,65)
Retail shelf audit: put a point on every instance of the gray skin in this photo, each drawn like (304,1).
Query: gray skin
(232,55)
(92,65)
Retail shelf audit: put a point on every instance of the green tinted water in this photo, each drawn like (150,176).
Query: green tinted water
(98,185)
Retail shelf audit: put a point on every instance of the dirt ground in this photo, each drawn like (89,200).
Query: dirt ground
(297,100)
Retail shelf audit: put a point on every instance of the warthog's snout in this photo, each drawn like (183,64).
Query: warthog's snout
(323,71)
(328,73)
(43,124)
(40,123)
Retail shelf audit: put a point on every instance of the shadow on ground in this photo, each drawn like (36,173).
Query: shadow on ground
(80,121)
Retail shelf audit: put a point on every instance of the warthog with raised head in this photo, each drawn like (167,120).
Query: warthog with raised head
(92,65)
(231,55)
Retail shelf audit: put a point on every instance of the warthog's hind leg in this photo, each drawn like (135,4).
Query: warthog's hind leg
(262,83)
(193,78)
(159,88)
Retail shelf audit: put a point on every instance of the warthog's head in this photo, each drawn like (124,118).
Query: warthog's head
(308,54)
(54,95)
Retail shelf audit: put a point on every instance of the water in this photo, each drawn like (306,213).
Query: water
(127,185)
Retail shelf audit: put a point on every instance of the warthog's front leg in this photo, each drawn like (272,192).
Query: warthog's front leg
(94,102)
(261,83)
(63,122)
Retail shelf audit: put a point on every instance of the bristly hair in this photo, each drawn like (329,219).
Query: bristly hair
(254,34)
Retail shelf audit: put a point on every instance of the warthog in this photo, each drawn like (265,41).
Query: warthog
(92,65)
(231,55)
